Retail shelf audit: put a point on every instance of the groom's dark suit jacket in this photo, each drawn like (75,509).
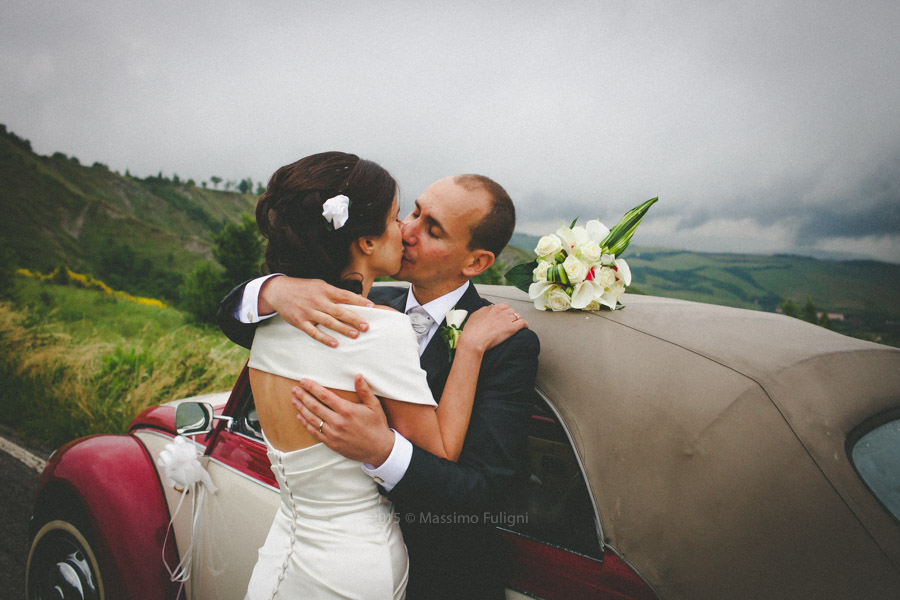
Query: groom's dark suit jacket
(448,510)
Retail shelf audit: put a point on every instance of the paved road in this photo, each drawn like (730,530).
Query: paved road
(16,496)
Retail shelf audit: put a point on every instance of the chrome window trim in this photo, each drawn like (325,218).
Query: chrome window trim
(597,522)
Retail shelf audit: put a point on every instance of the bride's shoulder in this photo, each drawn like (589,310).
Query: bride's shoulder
(378,313)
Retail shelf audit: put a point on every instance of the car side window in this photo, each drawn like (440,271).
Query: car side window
(558,509)
(246,422)
(876,457)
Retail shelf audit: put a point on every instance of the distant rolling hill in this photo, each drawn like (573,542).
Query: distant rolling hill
(57,211)
(862,296)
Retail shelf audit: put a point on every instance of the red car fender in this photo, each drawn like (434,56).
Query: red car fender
(116,482)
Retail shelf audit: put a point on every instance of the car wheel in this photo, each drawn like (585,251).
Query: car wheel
(62,565)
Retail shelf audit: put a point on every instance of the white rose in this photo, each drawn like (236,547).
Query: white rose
(540,272)
(607,259)
(558,300)
(576,270)
(548,245)
(604,277)
(590,251)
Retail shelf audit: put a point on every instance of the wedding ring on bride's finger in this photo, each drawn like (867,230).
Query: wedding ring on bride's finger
(516,317)
(321,423)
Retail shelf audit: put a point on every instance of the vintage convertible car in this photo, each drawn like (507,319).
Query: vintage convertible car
(681,451)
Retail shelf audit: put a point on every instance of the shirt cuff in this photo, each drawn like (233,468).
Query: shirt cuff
(394,468)
(248,311)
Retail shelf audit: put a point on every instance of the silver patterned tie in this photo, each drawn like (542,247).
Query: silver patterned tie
(421,322)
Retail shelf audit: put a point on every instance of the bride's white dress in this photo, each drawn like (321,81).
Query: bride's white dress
(334,535)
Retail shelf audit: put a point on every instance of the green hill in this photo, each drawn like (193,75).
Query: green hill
(57,211)
(144,235)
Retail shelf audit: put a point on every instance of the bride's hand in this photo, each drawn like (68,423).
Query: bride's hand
(489,326)
(305,303)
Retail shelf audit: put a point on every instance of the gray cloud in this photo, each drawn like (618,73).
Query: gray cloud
(778,117)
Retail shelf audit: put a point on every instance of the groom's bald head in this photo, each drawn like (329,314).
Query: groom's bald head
(457,227)
(495,228)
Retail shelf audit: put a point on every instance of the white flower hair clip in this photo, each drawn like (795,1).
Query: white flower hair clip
(336,210)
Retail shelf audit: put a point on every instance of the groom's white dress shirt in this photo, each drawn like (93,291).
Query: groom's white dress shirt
(394,468)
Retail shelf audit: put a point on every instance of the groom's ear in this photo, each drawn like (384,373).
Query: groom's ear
(479,262)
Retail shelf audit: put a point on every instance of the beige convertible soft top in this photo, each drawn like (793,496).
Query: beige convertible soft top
(713,440)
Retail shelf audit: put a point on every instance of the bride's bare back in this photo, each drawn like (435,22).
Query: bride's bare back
(277,416)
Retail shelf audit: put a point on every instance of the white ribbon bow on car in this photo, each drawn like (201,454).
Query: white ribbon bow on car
(184,472)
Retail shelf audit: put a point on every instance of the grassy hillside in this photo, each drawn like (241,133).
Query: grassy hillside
(57,211)
(76,362)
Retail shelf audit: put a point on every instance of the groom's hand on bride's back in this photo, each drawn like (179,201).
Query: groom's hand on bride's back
(355,430)
(305,303)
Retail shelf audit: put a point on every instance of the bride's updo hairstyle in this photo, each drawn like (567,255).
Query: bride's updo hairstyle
(301,242)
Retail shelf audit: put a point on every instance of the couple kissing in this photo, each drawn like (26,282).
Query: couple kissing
(389,439)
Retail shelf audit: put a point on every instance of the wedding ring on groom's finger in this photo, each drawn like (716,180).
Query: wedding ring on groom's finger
(321,423)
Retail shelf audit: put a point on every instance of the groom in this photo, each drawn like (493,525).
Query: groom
(447,510)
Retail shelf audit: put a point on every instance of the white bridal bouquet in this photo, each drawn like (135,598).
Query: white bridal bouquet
(579,267)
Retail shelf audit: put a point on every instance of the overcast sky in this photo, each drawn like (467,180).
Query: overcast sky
(762,126)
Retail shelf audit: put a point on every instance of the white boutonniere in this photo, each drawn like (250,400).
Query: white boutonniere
(450,332)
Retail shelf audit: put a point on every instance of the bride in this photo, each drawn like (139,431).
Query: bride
(334,216)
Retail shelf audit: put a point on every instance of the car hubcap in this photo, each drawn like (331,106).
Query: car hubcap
(61,571)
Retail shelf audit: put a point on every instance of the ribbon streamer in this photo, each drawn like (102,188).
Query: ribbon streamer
(184,472)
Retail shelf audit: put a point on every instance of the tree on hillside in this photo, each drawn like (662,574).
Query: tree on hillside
(809,312)
(245,186)
(20,142)
(238,248)
(122,268)
(260,189)
(789,308)
(203,286)
(216,180)
(7,269)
